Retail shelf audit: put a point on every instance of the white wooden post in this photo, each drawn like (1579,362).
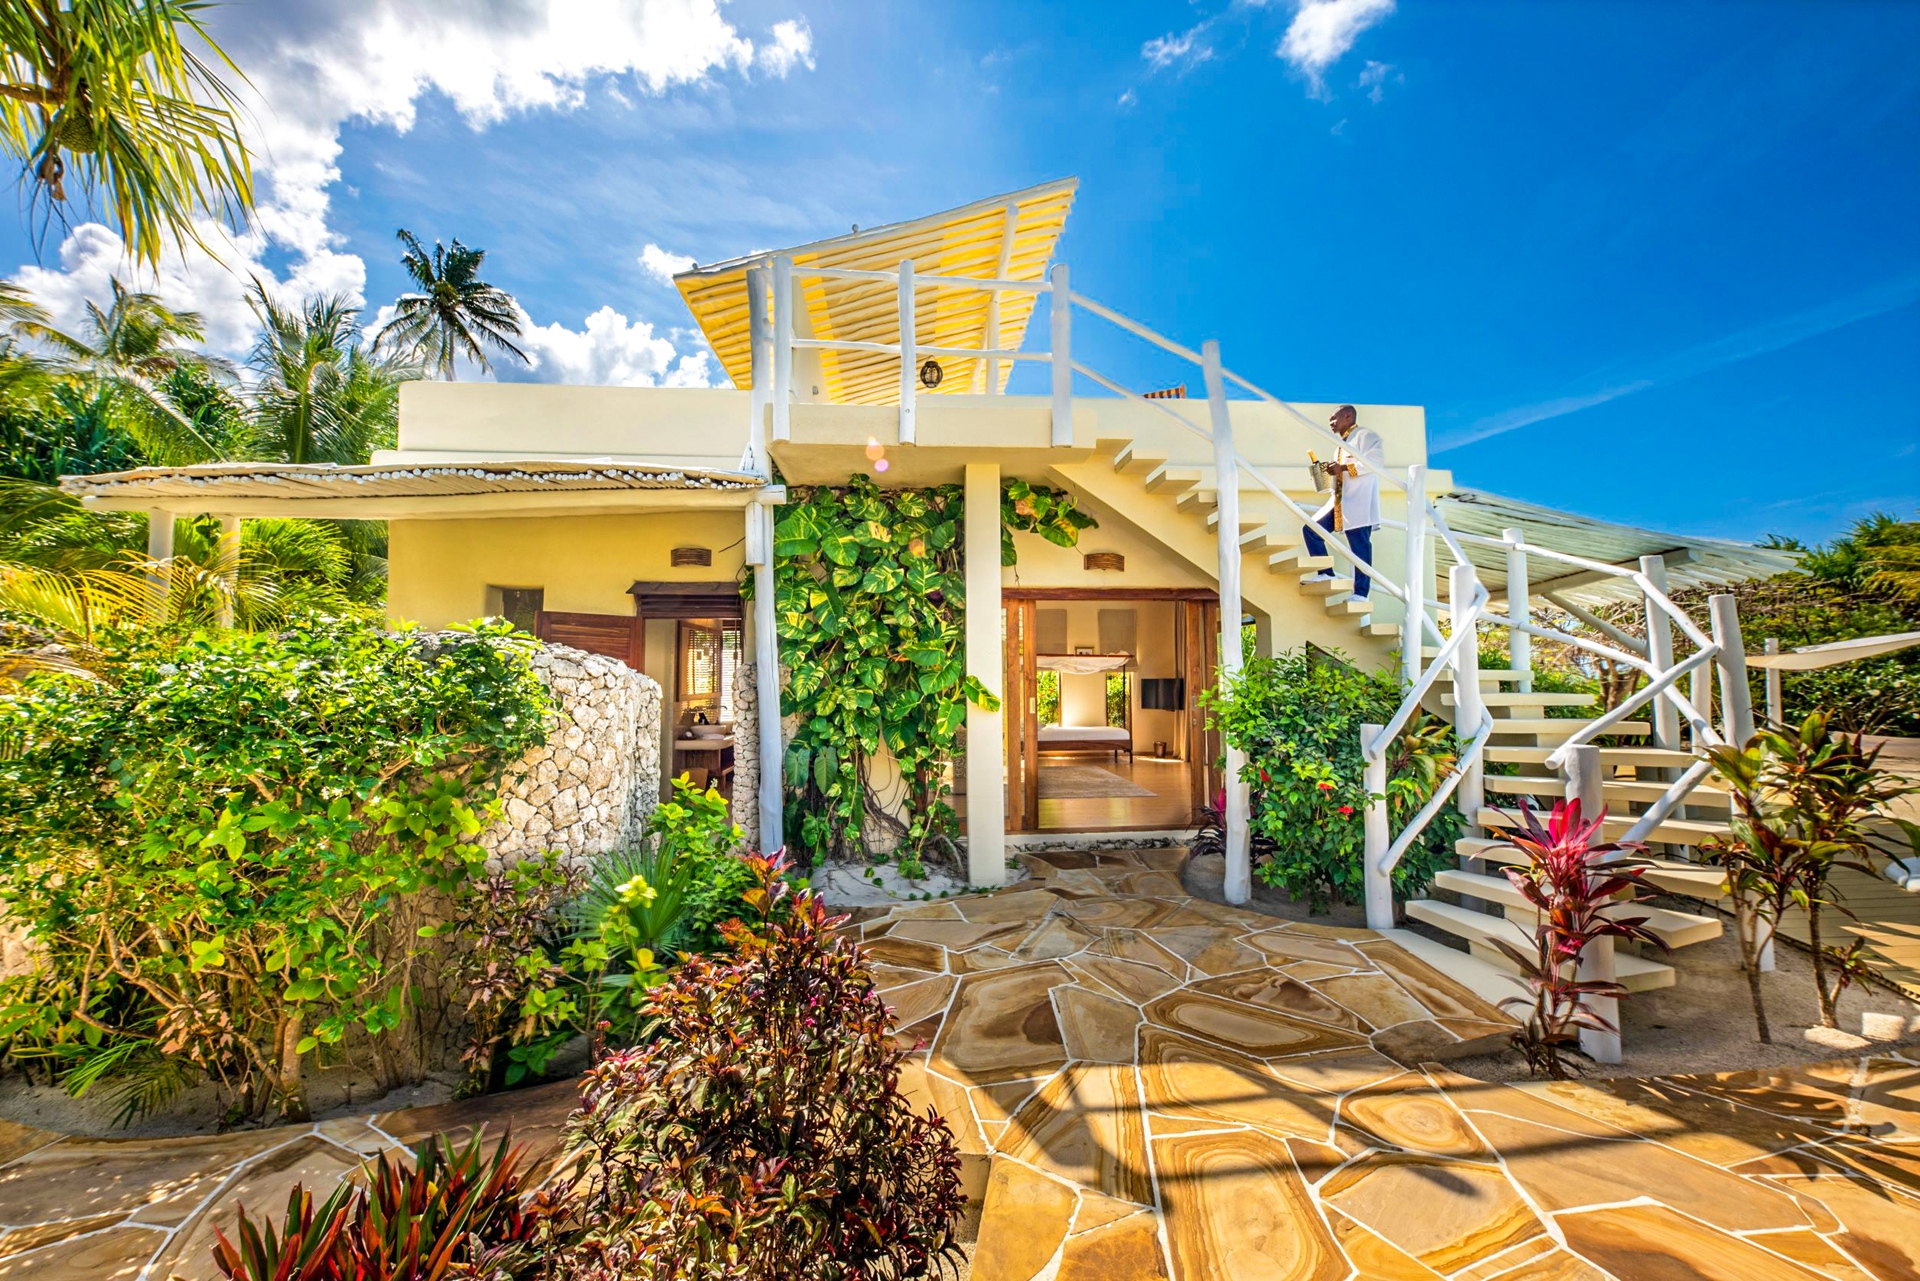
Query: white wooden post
(1412,626)
(1586,783)
(766,671)
(1376,882)
(1666,717)
(228,559)
(1226,468)
(760,364)
(160,552)
(909,360)
(1468,710)
(986,745)
(783,305)
(1775,698)
(1736,699)
(1519,608)
(1061,327)
(1700,694)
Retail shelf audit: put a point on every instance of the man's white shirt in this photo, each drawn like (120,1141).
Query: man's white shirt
(1359,494)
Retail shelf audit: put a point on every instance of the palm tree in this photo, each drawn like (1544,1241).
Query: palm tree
(455,311)
(322,397)
(108,92)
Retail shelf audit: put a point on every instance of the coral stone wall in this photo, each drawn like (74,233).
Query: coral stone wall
(591,788)
(746,752)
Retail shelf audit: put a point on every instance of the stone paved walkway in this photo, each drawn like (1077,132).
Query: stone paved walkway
(1151,1086)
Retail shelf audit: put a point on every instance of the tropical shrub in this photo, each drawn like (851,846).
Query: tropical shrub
(1297,717)
(1806,800)
(871,614)
(1574,883)
(451,1213)
(216,847)
(762,1132)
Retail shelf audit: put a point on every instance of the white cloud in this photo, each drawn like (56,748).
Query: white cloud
(1183,51)
(610,350)
(1321,33)
(1373,78)
(663,266)
(315,65)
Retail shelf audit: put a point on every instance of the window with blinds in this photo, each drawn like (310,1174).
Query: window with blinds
(710,652)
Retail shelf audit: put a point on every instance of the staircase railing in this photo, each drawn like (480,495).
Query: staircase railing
(1468,605)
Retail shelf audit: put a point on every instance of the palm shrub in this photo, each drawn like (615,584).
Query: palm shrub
(215,846)
(1806,800)
(1297,717)
(762,1132)
(1575,884)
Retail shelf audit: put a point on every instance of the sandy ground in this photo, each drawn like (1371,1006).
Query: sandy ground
(1703,1023)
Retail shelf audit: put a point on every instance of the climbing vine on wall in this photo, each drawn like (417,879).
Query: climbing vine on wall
(871,603)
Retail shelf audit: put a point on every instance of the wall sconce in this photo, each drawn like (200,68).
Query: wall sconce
(1104,560)
(684,557)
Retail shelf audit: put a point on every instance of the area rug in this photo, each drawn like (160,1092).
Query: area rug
(1084,782)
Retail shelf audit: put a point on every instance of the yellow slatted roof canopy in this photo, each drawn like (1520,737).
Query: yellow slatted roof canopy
(1008,237)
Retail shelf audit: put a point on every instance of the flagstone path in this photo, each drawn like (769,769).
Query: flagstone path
(1151,1086)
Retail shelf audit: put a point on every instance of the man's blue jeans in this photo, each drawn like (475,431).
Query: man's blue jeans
(1361,540)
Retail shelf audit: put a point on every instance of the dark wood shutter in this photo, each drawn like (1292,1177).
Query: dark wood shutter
(618,636)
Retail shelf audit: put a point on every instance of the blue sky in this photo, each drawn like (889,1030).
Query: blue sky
(1657,262)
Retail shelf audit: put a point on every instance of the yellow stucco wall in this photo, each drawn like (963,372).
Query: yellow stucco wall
(438,571)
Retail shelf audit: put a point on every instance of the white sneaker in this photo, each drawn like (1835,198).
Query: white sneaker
(1325,573)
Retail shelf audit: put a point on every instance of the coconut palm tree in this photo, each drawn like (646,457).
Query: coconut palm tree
(322,397)
(455,311)
(125,97)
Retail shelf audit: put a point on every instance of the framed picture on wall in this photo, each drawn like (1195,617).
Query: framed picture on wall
(1083,649)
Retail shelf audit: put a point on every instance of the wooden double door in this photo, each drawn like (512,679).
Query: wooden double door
(1197,643)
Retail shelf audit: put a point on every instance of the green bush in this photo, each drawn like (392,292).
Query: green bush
(1297,716)
(216,848)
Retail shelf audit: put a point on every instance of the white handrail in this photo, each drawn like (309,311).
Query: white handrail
(1418,823)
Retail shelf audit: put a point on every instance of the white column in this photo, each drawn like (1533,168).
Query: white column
(760,357)
(1519,608)
(1413,625)
(1377,884)
(909,361)
(766,670)
(160,549)
(1736,700)
(783,305)
(1061,327)
(986,746)
(1468,711)
(1586,783)
(228,559)
(1666,717)
(1226,479)
(1775,698)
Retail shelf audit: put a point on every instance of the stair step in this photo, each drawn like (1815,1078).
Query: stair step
(1350,606)
(1615,789)
(1560,729)
(1669,876)
(1171,477)
(1635,973)
(1486,674)
(1380,629)
(1294,560)
(1490,983)
(1131,460)
(1314,585)
(1112,446)
(1514,698)
(1250,522)
(1676,831)
(1629,757)
(1675,929)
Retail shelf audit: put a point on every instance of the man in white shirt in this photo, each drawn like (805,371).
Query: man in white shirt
(1354,508)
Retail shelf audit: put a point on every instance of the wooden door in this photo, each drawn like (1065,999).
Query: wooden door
(1200,644)
(620,636)
(1019,718)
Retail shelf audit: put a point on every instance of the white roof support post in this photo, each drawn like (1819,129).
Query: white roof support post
(909,361)
(1585,782)
(160,553)
(783,307)
(766,670)
(1376,882)
(990,336)
(1060,322)
(986,740)
(760,357)
(1700,694)
(227,559)
(1468,711)
(1239,870)
(1416,602)
(1666,717)
(1774,696)
(1519,607)
(1736,699)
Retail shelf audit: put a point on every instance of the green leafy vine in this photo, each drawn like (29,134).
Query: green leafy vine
(871,604)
